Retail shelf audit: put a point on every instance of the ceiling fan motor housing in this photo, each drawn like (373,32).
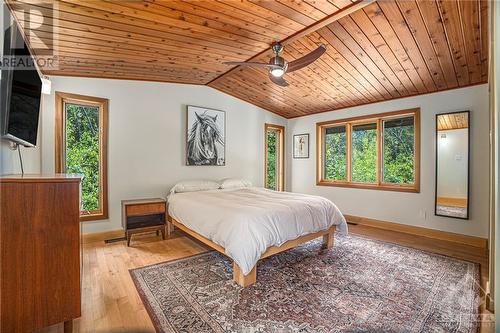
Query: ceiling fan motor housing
(278,61)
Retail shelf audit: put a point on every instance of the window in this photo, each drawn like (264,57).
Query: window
(81,141)
(379,151)
(364,153)
(399,151)
(274,157)
(336,153)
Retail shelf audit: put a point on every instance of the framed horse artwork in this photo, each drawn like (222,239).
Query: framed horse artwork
(206,136)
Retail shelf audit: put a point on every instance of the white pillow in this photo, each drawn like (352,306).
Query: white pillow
(195,185)
(234,183)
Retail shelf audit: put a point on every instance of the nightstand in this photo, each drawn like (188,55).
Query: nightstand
(144,215)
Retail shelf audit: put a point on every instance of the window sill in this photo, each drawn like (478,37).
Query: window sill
(93,217)
(381,187)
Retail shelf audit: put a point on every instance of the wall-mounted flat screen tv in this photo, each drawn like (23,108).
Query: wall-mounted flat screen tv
(21,88)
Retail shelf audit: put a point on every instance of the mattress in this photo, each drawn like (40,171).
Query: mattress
(246,221)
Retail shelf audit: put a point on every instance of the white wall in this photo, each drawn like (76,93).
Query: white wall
(147,139)
(147,146)
(452,163)
(9,159)
(407,208)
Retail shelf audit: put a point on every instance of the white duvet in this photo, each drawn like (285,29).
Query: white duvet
(246,221)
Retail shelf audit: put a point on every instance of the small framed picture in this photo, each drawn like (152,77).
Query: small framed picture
(301,146)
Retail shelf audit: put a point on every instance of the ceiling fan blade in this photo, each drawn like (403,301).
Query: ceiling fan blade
(278,80)
(306,60)
(249,63)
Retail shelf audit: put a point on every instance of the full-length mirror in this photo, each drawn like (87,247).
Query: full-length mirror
(452,164)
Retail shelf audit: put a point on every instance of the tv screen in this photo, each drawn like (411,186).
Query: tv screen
(22,87)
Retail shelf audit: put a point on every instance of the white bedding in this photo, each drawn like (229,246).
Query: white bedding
(246,221)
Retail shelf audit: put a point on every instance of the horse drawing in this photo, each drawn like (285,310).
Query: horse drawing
(203,136)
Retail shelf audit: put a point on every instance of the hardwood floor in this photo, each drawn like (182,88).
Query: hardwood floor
(110,302)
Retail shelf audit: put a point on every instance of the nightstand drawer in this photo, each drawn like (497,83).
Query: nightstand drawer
(145,209)
(144,221)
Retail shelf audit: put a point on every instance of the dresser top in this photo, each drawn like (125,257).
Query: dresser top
(40,178)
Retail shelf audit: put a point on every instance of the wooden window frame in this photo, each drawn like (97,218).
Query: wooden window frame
(281,173)
(378,119)
(60,167)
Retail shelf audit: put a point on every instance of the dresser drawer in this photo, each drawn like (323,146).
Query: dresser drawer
(145,209)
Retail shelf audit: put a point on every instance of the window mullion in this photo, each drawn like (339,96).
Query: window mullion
(101,155)
(379,151)
(349,152)
(63,142)
(321,139)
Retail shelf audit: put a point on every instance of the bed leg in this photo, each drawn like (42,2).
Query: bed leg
(328,240)
(244,280)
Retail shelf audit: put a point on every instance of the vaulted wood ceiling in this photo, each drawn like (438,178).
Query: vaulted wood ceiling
(166,40)
(452,121)
(386,50)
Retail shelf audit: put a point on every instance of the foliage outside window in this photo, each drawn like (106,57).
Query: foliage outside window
(274,159)
(271,160)
(399,151)
(364,153)
(377,152)
(82,150)
(336,153)
(81,127)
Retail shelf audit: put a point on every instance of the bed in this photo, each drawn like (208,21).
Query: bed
(250,223)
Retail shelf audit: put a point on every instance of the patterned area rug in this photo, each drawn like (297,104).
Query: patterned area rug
(360,285)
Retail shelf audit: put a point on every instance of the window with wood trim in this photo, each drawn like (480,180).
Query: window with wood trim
(274,150)
(81,147)
(380,151)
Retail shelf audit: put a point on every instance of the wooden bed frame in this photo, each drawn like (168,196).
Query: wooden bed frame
(251,278)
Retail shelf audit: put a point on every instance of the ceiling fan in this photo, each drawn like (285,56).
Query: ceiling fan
(278,66)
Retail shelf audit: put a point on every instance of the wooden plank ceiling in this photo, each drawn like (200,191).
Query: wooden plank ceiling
(169,40)
(386,50)
(452,121)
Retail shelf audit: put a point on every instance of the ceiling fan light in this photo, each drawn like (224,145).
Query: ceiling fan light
(277,72)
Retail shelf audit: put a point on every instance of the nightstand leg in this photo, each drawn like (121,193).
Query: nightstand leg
(68,326)
(157,232)
(128,238)
(163,233)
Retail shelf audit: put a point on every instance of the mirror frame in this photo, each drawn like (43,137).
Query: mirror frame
(468,165)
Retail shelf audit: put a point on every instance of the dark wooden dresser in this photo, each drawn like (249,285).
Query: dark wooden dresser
(39,251)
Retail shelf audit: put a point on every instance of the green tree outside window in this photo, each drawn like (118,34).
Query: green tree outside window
(82,150)
(364,153)
(272,141)
(336,153)
(398,152)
